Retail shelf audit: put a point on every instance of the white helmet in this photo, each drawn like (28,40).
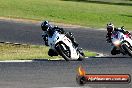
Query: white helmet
(110,27)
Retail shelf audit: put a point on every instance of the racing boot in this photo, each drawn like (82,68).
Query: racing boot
(71,37)
(52,52)
(75,43)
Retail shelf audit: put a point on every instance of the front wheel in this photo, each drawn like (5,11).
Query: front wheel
(81,57)
(127,49)
(64,51)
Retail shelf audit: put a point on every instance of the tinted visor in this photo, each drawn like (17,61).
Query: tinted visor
(109,28)
(45,28)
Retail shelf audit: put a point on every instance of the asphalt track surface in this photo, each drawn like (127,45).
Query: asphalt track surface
(49,74)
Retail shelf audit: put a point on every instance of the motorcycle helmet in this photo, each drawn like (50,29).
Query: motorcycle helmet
(110,27)
(45,25)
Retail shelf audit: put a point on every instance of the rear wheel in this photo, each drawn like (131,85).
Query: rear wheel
(127,49)
(81,57)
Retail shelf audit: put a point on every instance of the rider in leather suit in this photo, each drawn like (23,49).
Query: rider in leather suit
(48,30)
(110,29)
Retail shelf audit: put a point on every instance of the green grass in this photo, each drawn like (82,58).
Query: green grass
(18,52)
(81,12)
(30,52)
(89,54)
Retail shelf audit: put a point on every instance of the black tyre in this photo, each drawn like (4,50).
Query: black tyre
(64,53)
(127,49)
(113,52)
(81,56)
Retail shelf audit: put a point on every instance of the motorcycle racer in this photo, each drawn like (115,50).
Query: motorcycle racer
(110,30)
(48,31)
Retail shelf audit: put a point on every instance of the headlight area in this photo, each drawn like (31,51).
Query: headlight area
(117,43)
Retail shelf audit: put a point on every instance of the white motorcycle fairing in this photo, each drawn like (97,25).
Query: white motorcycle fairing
(57,37)
(118,39)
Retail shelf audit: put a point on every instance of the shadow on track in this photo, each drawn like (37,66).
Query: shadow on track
(41,60)
(112,57)
(102,2)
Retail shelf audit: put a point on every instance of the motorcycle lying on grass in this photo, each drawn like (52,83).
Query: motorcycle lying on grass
(64,47)
(122,42)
